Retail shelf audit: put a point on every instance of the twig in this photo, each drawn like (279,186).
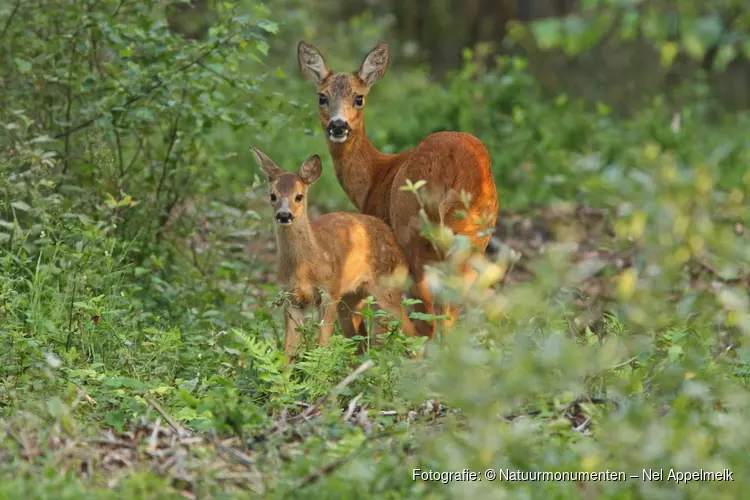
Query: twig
(117,9)
(583,426)
(341,385)
(120,160)
(172,423)
(712,269)
(352,407)
(152,444)
(158,83)
(624,363)
(111,442)
(349,379)
(10,19)
(135,155)
(231,81)
(364,422)
(69,340)
(336,464)
(69,96)
(233,453)
(170,146)
(88,398)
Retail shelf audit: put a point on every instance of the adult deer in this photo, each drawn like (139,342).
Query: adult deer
(451,163)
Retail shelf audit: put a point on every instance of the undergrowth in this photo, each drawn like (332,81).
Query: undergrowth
(140,347)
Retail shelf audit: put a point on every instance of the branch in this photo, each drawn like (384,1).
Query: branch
(119,152)
(158,83)
(172,423)
(336,464)
(8,22)
(69,97)
(135,155)
(341,385)
(170,146)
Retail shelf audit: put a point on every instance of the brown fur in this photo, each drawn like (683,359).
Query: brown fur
(450,162)
(347,256)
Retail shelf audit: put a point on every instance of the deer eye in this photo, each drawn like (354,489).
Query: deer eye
(322,99)
(298,198)
(359,100)
(273,197)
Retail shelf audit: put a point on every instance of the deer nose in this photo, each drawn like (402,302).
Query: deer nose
(338,128)
(284,217)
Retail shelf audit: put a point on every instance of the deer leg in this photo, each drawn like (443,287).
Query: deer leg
(351,322)
(293,317)
(389,300)
(452,311)
(327,320)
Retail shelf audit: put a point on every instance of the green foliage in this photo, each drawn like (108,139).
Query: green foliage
(136,282)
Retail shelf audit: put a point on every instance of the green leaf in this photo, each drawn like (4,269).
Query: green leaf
(427,317)
(269,26)
(709,29)
(23,65)
(115,419)
(119,382)
(547,33)
(694,46)
(20,205)
(724,56)
(668,52)
(629,24)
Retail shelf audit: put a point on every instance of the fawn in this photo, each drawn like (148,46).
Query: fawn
(344,255)
(453,164)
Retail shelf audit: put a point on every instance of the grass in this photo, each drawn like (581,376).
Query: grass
(232,421)
(607,331)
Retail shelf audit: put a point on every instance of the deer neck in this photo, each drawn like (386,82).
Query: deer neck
(358,166)
(295,243)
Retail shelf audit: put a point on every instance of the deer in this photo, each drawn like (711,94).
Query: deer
(335,257)
(460,189)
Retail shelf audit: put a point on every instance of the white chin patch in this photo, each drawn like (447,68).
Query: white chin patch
(285,223)
(334,138)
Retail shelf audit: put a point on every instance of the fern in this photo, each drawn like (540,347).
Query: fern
(265,372)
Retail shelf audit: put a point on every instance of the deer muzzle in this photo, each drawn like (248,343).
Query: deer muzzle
(338,130)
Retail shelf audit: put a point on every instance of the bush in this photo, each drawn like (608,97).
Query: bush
(140,354)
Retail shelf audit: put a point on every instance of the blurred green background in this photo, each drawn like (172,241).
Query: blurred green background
(608,330)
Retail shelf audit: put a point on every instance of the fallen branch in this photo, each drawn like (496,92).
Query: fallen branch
(232,453)
(624,363)
(172,423)
(701,262)
(352,407)
(341,386)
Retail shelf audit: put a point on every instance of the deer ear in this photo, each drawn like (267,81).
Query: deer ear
(311,170)
(269,168)
(311,63)
(375,64)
